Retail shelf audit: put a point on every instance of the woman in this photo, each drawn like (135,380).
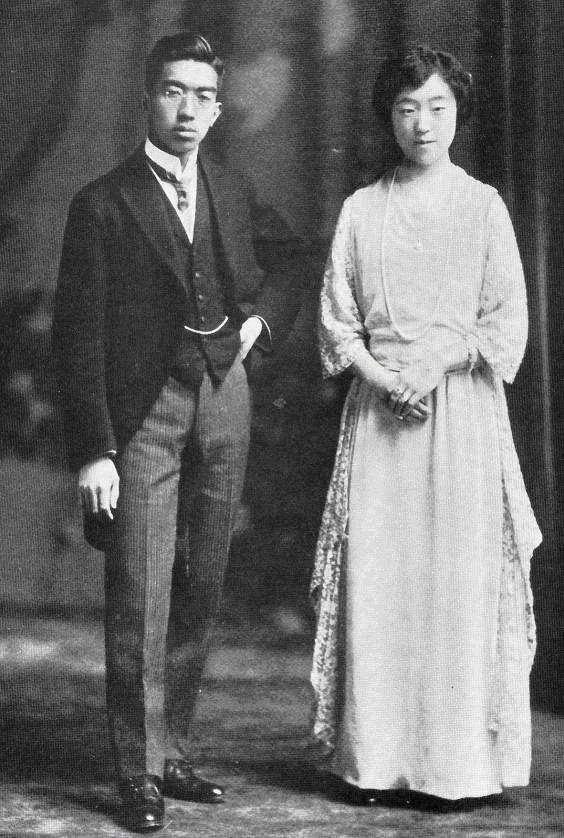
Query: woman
(425,625)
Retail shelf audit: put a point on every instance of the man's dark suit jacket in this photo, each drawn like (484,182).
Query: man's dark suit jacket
(121,298)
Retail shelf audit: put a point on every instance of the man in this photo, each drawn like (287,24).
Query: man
(160,299)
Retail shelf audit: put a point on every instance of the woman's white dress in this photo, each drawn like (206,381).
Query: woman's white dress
(425,626)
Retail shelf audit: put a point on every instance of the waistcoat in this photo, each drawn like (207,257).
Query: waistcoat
(207,299)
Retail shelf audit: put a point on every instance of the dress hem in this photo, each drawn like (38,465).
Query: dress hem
(381,786)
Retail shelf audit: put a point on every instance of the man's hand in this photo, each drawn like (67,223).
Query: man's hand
(250,330)
(98,487)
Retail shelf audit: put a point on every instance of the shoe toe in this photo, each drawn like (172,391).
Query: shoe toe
(211,793)
(181,782)
(143,805)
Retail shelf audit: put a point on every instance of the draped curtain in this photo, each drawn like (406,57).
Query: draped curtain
(298,119)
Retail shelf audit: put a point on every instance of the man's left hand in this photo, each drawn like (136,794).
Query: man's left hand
(250,330)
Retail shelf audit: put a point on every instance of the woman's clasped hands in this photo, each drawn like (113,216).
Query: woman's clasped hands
(407,398)
(404,392)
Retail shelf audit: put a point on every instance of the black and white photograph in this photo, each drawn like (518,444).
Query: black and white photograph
(281,472)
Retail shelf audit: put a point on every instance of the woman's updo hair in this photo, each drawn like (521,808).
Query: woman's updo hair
(409,70)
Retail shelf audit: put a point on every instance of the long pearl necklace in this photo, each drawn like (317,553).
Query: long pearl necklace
(387,297)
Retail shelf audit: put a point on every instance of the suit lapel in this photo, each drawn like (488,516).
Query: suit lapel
(202,220)
(226,206)
(143,196)
(147,203)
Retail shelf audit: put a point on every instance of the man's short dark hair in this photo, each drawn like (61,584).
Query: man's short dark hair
(183,46)
(410,70)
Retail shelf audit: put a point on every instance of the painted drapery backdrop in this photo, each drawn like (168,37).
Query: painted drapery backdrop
(298,120)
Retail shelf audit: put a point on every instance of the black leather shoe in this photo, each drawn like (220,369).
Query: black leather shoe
(344,792)
(143,804)
(181,782)
(365,797)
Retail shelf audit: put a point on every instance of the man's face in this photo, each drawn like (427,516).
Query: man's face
(182,106)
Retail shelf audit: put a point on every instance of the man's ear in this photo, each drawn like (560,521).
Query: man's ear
(218,110)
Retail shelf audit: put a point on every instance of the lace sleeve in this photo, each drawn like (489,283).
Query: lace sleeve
(502,324)
(341,327)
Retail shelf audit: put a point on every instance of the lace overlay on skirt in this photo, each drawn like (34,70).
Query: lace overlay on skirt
(516,617)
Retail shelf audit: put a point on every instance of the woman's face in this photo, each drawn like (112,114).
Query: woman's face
(424,122)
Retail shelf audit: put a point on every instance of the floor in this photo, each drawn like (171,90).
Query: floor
(251,735)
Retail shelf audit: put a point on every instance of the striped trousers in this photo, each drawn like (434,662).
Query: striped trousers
(181,479)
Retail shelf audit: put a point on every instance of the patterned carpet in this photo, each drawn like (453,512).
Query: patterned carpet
(251,735)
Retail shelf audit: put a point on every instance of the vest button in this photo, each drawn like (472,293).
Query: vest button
(198,274)
(202,319)
(200,297)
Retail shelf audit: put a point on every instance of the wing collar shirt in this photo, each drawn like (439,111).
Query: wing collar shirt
(188,175)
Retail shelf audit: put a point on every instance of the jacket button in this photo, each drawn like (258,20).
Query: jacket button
(202,319)
(200,297)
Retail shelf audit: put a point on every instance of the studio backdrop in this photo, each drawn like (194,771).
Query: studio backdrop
(297,119)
